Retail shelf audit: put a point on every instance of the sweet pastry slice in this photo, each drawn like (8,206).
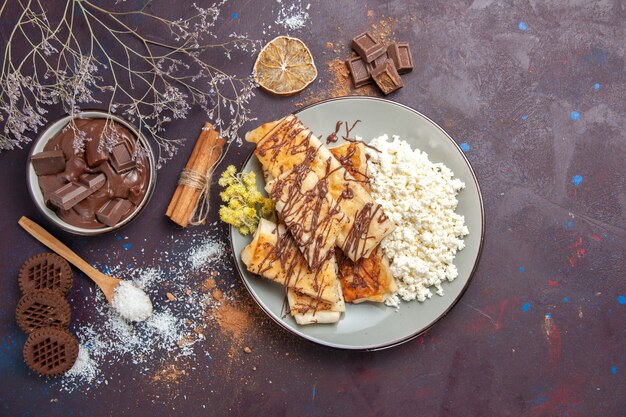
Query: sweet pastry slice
(368,279)
(309,310)
(351,156)
(274,255)
(311,216)
(284,145)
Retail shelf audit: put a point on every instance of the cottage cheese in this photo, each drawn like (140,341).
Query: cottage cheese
(420,198)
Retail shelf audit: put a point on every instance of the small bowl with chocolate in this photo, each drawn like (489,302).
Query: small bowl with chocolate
(91,173)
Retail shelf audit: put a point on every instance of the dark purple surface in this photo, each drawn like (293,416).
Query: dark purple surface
(534,93)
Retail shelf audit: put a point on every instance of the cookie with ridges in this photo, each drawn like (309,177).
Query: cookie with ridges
(50,351)
(45,270)
(42,308)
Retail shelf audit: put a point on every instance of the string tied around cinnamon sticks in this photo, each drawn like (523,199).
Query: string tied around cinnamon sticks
(190,203)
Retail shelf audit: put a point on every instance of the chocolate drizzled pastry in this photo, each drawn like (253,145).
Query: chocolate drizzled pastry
(311,215)
(287,143)
(50,351)
(103,162)
(274,255)
(42,308)
(45,271)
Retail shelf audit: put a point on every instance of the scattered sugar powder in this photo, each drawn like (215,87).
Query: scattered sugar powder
(131,302)
(294,16)
(108,341)
(206,251)
(84,368)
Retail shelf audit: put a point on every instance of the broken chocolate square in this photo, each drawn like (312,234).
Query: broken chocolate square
(358,72)
(48,162)
(387,78)
(69,195)
(400,53)
(93,181)
(367,47)
(72,193)
(122,157)
(376,63)
(95,151)
(112,211)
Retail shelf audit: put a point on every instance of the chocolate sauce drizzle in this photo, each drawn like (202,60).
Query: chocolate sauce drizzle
(310,215)
(307,220)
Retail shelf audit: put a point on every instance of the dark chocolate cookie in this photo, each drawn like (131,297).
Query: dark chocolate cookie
(46,270)
(42,308)
(50,351)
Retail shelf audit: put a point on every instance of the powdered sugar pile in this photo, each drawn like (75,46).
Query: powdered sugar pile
(107,340)
(132,303)
(84,367)
(294,16)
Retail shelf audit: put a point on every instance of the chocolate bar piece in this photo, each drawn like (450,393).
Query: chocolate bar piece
(95,151)
(112,211)
(93,181)
(387,78)
(69,195)
(48,162)
(122,157)
(367,47)
(400,53)
(358,72)
(72,193)
(376,63)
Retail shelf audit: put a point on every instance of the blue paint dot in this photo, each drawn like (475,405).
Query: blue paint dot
(522,26)
(570,224)
(524,117)
(566,299)
(614,370)
(526,307)
(548,316)
(521,269)
(574,115)
(118,237)
(234,15)
(621,299)
(577,179)
(465,147)
(596,86)
(127,246)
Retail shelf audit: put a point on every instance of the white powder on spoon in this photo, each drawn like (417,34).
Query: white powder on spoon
(131,302)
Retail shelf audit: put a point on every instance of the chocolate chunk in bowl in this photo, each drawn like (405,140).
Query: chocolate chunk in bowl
(106,160)
(48,162)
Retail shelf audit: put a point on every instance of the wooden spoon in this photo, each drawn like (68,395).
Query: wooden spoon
(106,283)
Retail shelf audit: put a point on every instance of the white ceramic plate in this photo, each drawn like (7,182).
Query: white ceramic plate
(371,326)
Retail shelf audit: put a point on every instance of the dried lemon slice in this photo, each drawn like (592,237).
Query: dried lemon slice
(285,66)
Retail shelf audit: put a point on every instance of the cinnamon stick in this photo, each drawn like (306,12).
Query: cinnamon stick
(204,156)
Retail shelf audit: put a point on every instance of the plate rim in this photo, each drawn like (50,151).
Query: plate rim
(376,347)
